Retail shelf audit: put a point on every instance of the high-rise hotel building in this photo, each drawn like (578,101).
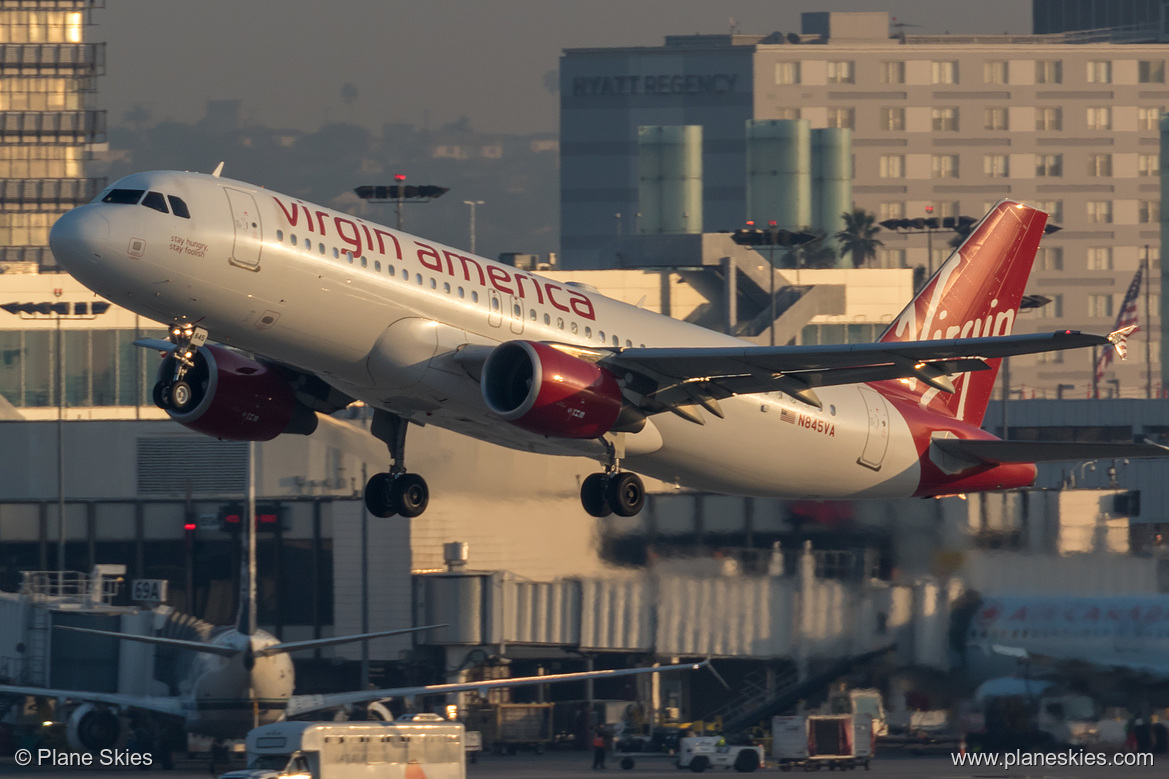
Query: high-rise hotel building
(1068,122)
(49,122)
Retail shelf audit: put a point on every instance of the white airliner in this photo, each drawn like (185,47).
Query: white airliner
(333,308)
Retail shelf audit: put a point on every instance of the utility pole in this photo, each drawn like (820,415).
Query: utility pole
(472,204)
(1148,327)
(399,194)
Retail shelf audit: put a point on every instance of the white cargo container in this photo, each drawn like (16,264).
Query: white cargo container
(356,750)
(831,740)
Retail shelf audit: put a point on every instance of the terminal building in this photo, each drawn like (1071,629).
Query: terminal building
(939,125)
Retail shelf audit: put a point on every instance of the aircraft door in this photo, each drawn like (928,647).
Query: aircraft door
(494,308)
(248,236)
(515,307)
(877,442)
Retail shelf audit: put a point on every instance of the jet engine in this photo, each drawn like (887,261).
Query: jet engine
(227,395)
(93,728)
(539,388)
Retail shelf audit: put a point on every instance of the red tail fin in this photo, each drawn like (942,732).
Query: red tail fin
(975,293)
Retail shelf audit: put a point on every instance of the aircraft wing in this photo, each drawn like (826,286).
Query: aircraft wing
(303,704)
(171,706)
(666,378)
(995,452)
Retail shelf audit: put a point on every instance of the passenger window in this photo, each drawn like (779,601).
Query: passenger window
(418,278)
(124,196)
(474,296)
(588,332)
(308,243)
(602,336)
(532,314)
(446,287)
(293,237)
(156,201)
(280,236)
(364,262)
(391,270)
(350,259)
(377,266)
(616,341)
(560,322)
(517,311)
(494,304)
(628,343)
(547,319)
(336,253)
(433,284)
(178,207)
(461,293)
(322,250)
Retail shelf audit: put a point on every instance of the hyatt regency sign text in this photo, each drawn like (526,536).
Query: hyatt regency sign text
(666,84)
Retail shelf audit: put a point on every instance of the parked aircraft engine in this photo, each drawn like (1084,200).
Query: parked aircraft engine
(93,728)
(542,389)
(227,395)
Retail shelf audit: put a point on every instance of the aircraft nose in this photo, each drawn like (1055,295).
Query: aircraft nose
(80,234)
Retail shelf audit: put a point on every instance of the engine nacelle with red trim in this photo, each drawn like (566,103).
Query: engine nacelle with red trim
(235,398)
(540,388)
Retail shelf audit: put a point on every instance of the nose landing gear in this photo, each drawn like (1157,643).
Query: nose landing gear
(177,394)
(396,492)
(612,492)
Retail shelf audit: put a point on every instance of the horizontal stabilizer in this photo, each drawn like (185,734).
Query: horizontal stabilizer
(194,646)
(317,643)
(995,451)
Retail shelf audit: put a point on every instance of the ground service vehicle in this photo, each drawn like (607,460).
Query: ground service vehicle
(509,727)
(835,741)
(356,750)
(699,753)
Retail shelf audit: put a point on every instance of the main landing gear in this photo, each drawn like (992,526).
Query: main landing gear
(176,393)
(614,491)
(396,492)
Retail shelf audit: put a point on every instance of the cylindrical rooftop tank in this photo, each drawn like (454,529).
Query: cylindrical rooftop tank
(669,190)
(779,172)
(831,183)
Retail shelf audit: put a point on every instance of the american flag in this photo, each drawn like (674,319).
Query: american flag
(1126,316)
(787,416)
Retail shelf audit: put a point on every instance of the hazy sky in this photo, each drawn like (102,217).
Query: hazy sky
(287,60)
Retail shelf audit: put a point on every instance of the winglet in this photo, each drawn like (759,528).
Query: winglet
(218,170)
(710,667)
(1119,339)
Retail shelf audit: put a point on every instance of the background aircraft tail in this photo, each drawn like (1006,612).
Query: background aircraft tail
(975,293)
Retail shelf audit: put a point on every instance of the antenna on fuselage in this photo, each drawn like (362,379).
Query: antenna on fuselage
(218,169)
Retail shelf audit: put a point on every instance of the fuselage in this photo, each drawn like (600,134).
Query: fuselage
(226,696)
(381,315)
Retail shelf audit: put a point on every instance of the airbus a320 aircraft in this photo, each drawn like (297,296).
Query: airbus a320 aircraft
(333,309)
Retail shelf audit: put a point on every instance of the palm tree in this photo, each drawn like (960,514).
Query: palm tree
(858,236)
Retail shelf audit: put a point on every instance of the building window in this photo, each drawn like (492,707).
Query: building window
(1100,72)
(1052,310)
(995,119)
(892,258)
(1099,305)
(1149,118)
(1099,164)
(1149,211)
(1099,212)
(787,113)
(842,117)
(892,166)
(994,72)
(944,208)
(1049,72)
(1148,164)
(787,73)
(893,118)
(996,166)
(1100,118)
(1151,71)
(1049,258)
(945,119)
(894,210)
(944,166)
(1048,165)
(892,72)
(1053,209)
(1100,258)
(1049,119)
(840,72)
(945,72)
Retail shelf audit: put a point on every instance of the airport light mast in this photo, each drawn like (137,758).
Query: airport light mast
(400,194)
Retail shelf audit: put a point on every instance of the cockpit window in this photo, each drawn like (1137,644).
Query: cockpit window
(178,207)
(156,201)
(123,196)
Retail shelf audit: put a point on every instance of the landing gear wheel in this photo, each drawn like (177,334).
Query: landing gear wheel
(379,497)
(160,396)
(625,493)
(181,395)
(593,495)
(410,494)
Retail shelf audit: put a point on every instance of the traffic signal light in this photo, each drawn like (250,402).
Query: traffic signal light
(753,236)
(400,192)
